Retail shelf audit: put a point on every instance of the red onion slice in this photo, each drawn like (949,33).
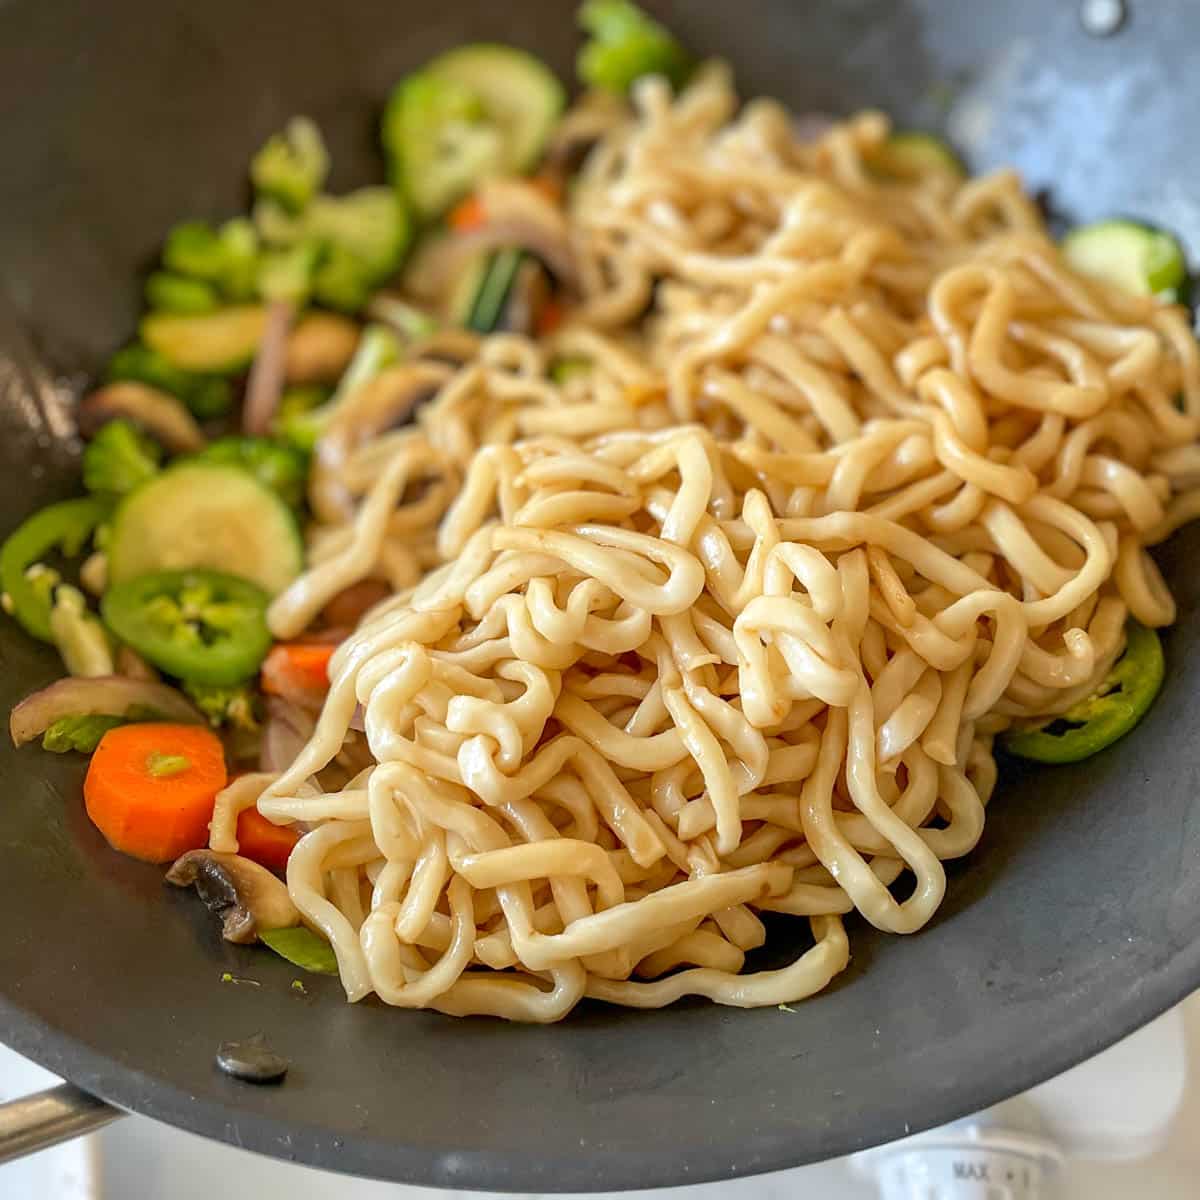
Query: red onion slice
(265,386)
(111,695)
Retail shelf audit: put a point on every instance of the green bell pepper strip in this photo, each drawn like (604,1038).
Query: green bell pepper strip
(1109,713)
(203,627)
(65,526)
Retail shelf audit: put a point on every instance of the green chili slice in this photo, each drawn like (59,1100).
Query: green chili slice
(203,627)
(65,526)
(1116,706)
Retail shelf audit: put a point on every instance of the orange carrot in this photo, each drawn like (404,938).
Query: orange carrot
(297,666)
(467,215)
(264,841)
(150,788)
(549,318)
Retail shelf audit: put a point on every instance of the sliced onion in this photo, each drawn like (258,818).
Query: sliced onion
(265,386)
(109,695)
(285,732)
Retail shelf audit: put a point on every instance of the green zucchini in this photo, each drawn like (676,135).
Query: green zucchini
(211,515)
(910,153)
(1133,256)
(476,111)
(220,343)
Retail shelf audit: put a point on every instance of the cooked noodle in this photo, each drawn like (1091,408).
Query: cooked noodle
(726,625)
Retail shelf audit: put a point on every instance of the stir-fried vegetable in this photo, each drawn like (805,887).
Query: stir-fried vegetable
(206,514)
(220,342)
(205,395)
(1112,711)
(626,44)
(235,705)
(118,458)
(292,166)
(201,626)
(377,349)
(280,467)
(1130,255)
(150,788)
(72,699)
(78,634)
(303,948)
(910,153)
(224,257)
(168,292)
(473,112)
(64,527)
(81,734)
(298,671)
(287,273)
(263,841)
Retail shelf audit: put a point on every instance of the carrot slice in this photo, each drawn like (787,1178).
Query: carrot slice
(293,666)
(467,215)
(150,788)
(264,841)
(549,318)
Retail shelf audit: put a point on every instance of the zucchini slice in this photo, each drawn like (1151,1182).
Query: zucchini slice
(219,343)
(202,514)
(910,153)
(473,112)
(1136,257)
(520,95)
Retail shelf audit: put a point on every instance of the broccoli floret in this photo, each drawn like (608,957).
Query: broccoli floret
(119,457)
(362,237)
(625,45)
(343,281)
(292,165)
(205,395)
(167,292)
(226,258)
(282,468)
(79,733)
(235,705)
(79,635)
(287,274)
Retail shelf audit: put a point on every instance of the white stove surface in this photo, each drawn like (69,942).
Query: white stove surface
(138,1159)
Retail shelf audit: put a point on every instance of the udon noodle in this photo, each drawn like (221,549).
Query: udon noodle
(725,625)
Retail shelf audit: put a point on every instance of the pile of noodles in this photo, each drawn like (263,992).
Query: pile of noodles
(725,625)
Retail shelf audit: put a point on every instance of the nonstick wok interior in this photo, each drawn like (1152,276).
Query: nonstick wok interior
(1076,919)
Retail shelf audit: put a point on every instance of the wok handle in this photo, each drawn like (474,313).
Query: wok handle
(46,1118)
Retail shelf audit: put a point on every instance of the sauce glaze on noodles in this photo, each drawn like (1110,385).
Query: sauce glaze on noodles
(727,625)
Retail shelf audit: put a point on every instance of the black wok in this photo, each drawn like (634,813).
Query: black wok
(1076,920)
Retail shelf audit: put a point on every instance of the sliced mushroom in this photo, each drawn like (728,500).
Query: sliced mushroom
(244,895)
(457,347)
(319,348)
(157,412)
(380,404)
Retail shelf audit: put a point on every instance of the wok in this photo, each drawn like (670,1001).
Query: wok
(1076,920)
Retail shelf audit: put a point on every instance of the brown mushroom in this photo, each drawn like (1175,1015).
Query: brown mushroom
(160,414)
(319,348)
(247,897)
